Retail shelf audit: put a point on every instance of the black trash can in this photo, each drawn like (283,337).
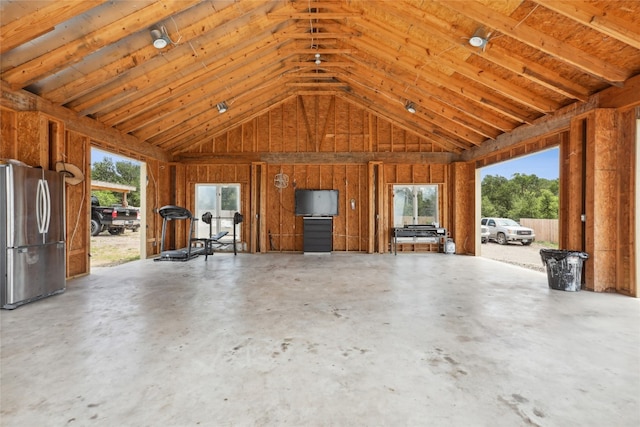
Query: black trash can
(564,268)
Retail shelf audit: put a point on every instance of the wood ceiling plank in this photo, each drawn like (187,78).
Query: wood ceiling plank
(312,16)
(495,54)
(510,90)
(482,99)
(329,85)
(75,50)
(103,76)
(423,100)
(415,48)
(592,17)
(172,114)
(437,98)
(540,41)
(316,36)
(41,21)
(326,65)
(163,71)
(132,114)
(429,122)
(377,104)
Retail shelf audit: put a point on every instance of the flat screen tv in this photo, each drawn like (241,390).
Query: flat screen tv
(316,202)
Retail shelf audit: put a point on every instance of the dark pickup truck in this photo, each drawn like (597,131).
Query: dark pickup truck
(114,219)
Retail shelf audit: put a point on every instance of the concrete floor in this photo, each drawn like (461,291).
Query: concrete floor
(321,340)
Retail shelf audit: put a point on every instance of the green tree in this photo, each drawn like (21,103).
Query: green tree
(549,204)
(122,172)
(522,196)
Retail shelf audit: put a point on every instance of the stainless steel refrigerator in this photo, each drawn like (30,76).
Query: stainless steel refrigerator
(32,232)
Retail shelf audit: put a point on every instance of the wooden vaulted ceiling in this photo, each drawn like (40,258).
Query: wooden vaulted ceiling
(95,57)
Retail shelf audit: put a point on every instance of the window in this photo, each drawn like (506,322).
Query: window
(415,204)
(223,201)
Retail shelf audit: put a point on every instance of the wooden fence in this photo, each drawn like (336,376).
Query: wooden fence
(546,230)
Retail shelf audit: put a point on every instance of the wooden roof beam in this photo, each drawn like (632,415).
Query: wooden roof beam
(74,51)
(540,41)
(435,109)
(180,58)
(376,103)
(40,21)
(437,98)
(434,76)
(216,27)
(166,115)
(495,54)
(589,16)
(134,113)
(414,48)
(227,88)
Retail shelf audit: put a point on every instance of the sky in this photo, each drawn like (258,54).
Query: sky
(98,155)
(545,164)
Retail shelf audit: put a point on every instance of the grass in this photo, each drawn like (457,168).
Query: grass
(107,250)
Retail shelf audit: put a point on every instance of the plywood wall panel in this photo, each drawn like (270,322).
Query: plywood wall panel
(404,174)
(32,139)
(263,131)
(234,141)
(382,135)
(248,137)
(276,130)
(342,142)
(78,205)
(626,154)
(420,173)
(8,136)
(339,175)
(289,127)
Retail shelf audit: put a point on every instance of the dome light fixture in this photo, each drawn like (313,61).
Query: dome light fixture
(160,38)
(222,107)
(479,39)
(410,107)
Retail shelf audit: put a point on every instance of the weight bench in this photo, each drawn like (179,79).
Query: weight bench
(213,242)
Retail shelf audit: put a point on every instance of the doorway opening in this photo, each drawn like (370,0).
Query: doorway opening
(117,206)
(518,208)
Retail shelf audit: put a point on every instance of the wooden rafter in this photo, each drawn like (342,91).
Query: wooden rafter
(554,47)
(75,50)
(41,21)
(584,13)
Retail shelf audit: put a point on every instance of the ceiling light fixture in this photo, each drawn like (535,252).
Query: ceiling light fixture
(222,107)
(410,107)
(479,39)
(318,61)
(159,37)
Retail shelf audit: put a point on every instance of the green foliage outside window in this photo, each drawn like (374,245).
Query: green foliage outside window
(121,172)
(522,196)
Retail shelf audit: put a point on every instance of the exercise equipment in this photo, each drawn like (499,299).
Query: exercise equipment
(214,241)
(172,213)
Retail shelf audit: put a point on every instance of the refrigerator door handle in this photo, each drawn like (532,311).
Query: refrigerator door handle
(47,206)
(39,212)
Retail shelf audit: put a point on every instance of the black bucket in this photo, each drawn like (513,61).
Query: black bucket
(564,268)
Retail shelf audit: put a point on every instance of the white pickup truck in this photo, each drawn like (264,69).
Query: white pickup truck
(504,230)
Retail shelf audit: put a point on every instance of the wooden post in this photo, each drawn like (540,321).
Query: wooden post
(461,224)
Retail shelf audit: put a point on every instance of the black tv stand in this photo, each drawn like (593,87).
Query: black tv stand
(318,234)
